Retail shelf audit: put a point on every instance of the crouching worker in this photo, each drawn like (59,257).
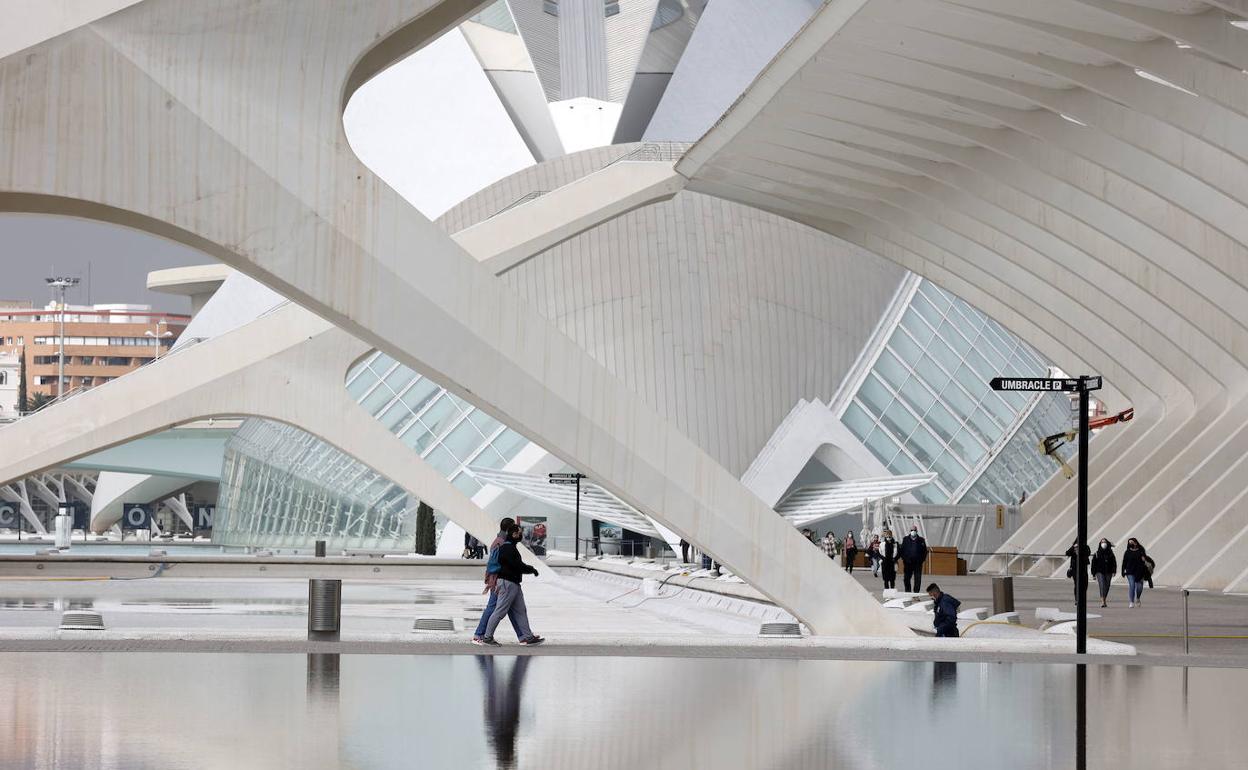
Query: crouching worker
(946,609)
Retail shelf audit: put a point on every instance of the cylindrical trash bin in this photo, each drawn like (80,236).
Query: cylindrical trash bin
(320,548)
(64,526)
(1002,595)
(324,608)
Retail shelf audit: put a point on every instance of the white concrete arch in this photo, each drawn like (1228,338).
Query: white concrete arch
(998,141)
(220,124)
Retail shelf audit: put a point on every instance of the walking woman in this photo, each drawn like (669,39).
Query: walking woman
(851,551)
(831,545)
(873,554)
(1135,570)
(1104,567)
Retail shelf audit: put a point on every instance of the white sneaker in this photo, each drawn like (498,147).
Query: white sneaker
(1131,605)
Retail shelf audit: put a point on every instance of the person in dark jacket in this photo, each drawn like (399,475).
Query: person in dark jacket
(946,609)
(511,570)
(890,551)
(913,553)
(491,581)
(1104,567)
(1073,571)
(851,551)
(1135,570)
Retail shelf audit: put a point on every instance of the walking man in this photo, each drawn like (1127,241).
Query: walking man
(946,609)
(913,554)
(491,580)
(511,570)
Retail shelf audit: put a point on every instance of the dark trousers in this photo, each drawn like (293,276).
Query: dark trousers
(684,552)
(950,630)
(888,571)
(915,572)
(850,555)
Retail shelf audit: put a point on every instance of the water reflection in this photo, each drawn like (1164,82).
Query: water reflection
(502,705)
(375,712)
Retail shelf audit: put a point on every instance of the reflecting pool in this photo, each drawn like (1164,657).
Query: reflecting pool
(168,710)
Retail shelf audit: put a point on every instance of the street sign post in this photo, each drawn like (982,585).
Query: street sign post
(1082,385)
(572,479)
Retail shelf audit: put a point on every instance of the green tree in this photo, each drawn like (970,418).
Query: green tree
(21,383)
(426,530)
(38,402)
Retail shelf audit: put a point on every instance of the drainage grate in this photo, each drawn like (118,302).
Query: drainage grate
(82,620)
(780,630)
(433,624)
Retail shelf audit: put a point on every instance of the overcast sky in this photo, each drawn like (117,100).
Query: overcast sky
(33,246)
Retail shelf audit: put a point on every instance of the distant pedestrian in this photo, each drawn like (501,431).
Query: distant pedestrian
(1104,567)
(890,552)
(945,608)
(873,553)
(512,570)
(913,554)
(1073,571)
(831,546)
(684,551)
(851,552)
(1135,570)
(492,568)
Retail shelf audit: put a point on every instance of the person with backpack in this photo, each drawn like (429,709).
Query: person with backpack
(1104,567)
(491,580)
(1135,570)
(511,571)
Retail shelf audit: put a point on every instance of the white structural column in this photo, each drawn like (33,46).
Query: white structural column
(219,125)
(1078,169)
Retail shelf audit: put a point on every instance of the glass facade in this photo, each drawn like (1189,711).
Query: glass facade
(283,487)
(925,404)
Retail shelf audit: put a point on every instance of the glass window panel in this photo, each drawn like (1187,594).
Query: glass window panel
(985,370)
(925,309)
(984,426)
(420,394)
(467,484)
(902,465)
(905,346)
(924,446)
(918,397)
(954,338)
(917,327)
(899,420)
(967,446)
(442,461)
(873,395)
(936,295)
(881,446)
(374,401)
(931,374)
(941,422)
(858,422)
(944,355)
(892,370)
(381,364)
(417,437)
(957,400)
(971,382)
(509,443)
(485,423)
(464,440)
(949,469)
(397,417)
(488,458)
(360,385)
(1001,410)
(440,416)
(399,379)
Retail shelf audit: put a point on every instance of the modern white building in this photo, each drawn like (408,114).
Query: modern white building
(10,372)
(845,218)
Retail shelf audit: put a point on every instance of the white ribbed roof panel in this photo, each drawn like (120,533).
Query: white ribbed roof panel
(596,502)
(819,501)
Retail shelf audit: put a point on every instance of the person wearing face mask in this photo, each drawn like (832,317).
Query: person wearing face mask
(1104,567)
(890,552)
(512,570)
(913,553)
(1135,570)
(851,552)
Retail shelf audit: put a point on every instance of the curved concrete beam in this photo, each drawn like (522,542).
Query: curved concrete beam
(233,110)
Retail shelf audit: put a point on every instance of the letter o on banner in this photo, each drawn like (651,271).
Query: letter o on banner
(135,516)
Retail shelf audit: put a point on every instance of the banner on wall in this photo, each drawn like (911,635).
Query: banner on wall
(534,533)
(204,514)
(136,516)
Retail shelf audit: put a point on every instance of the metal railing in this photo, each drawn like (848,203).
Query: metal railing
(523,199)
(654,152)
